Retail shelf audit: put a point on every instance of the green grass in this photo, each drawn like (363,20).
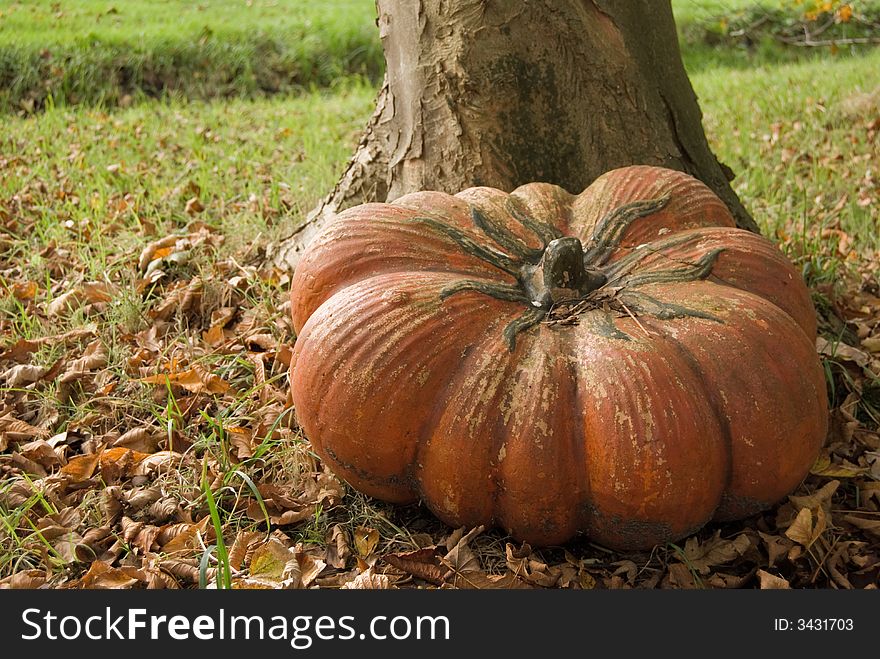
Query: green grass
(802,140)
(101,182)
(99,52)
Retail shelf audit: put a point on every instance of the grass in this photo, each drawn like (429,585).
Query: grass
(103,53)
(85,190)
(98,52)
(802,139)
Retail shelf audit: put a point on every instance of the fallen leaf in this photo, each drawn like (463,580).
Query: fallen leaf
(840,350)
(243,546)
(24,579)
(338,551)
(25,291)
(15,430)
(821,497)
(269,559)
(804,530)
(368,580)
(103,576)
(483,581)
(714,551)
(777,547)
(825,467)
(81,467)
(771,581)
(197,380)
(422,563)
(94,357)
(680,576)
(365,541)
(23,374)
(193,206)
(144,439)
(460,557)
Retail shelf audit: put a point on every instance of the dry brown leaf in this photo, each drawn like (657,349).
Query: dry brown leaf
(871,344)
(483,581)
(149,253)
(241,440)
(20,351)
(777,547)
(825,467)
(90,292)
(144,440)
(22,375)
(804,530)
(680,576)
(302,571)
(197,380)
(186,570)
(714,551)
(840,350)
(771,581)
(872,526)
(164,509)
(15,430)
(193,206)
(821,497)
(24,291)
(120,458)
(94,357)
(101,575)
(41,452)
(141,497)
(66,546)
(243,547)
(422,563)
(180,299)
(460,557)
(369,580)
(24,579)
(365,541)
(184,536)
(338,550)
(161,461)
(81,468)
(214,336)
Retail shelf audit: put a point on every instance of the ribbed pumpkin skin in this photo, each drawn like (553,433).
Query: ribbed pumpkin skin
(633,426)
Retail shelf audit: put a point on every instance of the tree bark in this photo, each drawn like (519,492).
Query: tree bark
(506,92)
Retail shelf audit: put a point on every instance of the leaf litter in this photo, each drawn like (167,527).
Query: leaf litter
(109,419)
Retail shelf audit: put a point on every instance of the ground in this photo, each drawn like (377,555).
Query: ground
(145,437)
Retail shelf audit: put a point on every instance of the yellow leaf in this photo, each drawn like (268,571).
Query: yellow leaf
(803,530)
(197,380)
(365,540)
(824,467)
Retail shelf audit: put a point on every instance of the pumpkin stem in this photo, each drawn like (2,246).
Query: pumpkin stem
(563,279)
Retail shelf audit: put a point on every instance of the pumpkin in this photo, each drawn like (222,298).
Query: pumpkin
(623,363)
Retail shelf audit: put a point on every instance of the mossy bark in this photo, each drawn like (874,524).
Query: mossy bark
(503,92)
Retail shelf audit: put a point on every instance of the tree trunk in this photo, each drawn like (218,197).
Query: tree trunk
(505,92)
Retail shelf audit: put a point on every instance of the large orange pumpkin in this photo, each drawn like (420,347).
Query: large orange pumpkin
(624,362)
